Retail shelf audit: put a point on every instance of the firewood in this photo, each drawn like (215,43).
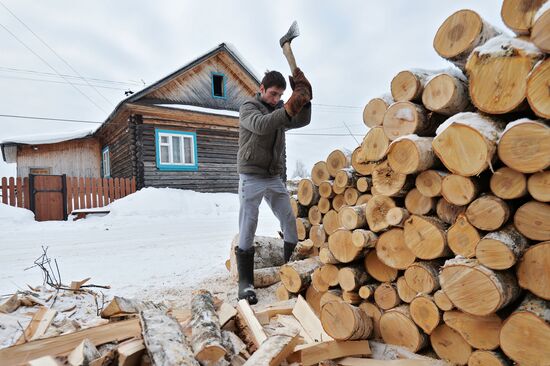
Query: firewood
(302,250)
(274,350)
(488,358)
(360,165)
(535,89)
(397,216)
(538,186)
(44,361)
(411,154)
(297,208)
(314,216)
(345,322)
(351,278)
(525,335)
(341,246)
(390,183)
(480,332)
(344,178)
(398,328)
(459,34)
(472,132)
(373,113)
(319,173)
(425,313)
(442,301)
(447,94)
(508,184)
(378,269)
(362,238)
(518,15)
(10,304)
(252,324)
(367,291)
(308,193)
(121,306)
(532,271)
(339,201)
(164,339)
(376,211)
(393,251)
(418,204)
(476,289)
(317,235)
(501,249)
(375,145)
(362,199)
(84,354)
(206,337)
(450,345)
(534,139)
(268,253)
(330,296)
(386,297)
(448,212)
(488,213)
(309,321)
(353,217)
(38,325)
(324,205)
(405,292)
(408,85)
(425,237)
(326,256)
(331,222)
(226,313)
(337,160)
(459,190)
(296,276)
(533,220)
(375,313)
(429,182)
(539,31)
(407,118)
(325,189)
(422,276)
(363,184)
(283,294)
(463,237)
(351,195)
(313,298)
(312,354)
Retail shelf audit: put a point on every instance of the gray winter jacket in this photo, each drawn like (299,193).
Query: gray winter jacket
(262,136)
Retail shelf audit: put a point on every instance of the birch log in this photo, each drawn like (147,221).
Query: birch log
(206,336)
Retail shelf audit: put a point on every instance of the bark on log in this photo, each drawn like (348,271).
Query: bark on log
(319,172)
(397,216)
(429,182)
(480,332)
(537,94)
(345,322)
(376,211)
(418,204)
(367,291)
(296,276)
(459,34)
(337,160)
(425,237)
(387,182)
(408,85)
(351,278)
(450,345)
(463,237)
(397,327)
(459,190)
(411,154)
(488,213)
(375,313)
(407,118)
(447,94)
(525,146)
(532,271)
(353,217)
(206,336)
(538,186)
(345,178)
(476,289)
(525,335)
(518,15)
(297,209)
(302,227)
(405,292)
(274,350)
(268,253)
(442,301)
(302,250)
(392,250)
(539,31)
(373,113)
(422,276)
(265,277)
(386,296)
(468,132)
(425,313)
(533,220)
(308,193)
(501,249)
(447,212)
(341,246)
(508,184)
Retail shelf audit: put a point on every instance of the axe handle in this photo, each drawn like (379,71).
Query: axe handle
(287,51)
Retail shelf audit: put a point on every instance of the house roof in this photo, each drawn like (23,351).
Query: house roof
(49,138)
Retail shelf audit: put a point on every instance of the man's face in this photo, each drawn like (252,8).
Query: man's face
(271,95)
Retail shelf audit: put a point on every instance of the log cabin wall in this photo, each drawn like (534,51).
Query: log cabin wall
(117,135)
(76,158)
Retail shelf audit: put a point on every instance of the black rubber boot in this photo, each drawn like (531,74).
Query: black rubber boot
(288,249)
(245,267)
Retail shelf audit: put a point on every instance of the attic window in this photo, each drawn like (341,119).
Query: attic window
(218,85)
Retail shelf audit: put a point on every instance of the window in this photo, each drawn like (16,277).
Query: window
(176,150)
(106,162)
(218,85)
(40,171)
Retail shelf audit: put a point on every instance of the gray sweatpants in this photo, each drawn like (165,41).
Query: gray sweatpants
(252,189)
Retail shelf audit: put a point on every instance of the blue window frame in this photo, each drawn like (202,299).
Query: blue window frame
(106,162)
(218,85)
(176,150)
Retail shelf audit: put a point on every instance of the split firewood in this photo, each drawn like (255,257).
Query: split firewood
(38,326)
(480,332)
(274,350)
(532,265)
(131,352)
(84,354)
(302,250)
(121,306)
(206,338)
(282,307)
(312,354)
(309,321)
(450,345)
(10,305)
(255,330)
(425,313)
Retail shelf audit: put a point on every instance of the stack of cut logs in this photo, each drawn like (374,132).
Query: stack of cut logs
(435,232)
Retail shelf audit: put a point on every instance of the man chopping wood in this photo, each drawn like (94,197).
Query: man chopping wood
(263,121)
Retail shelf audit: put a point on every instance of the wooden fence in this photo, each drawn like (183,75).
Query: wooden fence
(82,193)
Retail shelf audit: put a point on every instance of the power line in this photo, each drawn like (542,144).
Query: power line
(56,82)
(55,53)
(336,106)
(51,67)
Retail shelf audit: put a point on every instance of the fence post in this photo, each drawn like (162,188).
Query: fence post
(4,190)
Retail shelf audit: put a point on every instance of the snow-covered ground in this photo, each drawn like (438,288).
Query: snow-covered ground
(156,241)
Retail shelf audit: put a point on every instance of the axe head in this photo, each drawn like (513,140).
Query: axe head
(292,33)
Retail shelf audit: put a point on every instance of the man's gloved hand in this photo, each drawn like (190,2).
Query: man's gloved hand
(299,79)
(300,97)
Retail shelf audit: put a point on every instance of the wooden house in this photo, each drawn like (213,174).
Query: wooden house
(180,132)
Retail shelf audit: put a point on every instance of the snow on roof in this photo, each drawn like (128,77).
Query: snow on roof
(49,138)
(192,108)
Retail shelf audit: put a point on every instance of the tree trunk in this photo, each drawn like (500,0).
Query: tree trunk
(476,289)
(387,182)
(422,277)
(308,193)
(330,296)
(319,172)
(164,339)
(302,250)
(392,251)
(488,213)
(532,271)
(375,145)
(386,296)
(377,269)
(501,249)
(265,277)
(345,178)
(314,216)
(397,327)
(425,313)
(397,216)
(330,222)
(447,94)
(342,247)
(539,31)
(411,154)
(324,205)
(206,336)
(425,237)
(358,163)
(429,182)
(466,143)
(325,189)
(518,15)
(367,291)
(459,190)
(345,322)
(296,276)
(488,358)
(508,184)
(408,85)
(538,186)
(450,346)
(405,292)
(317,235)
(337,160)
(326,256)
(325,277)
(376,211)
(351,195)
(302,227)
(459,34)
(418,204)
(407,118)
(480,332)
(537,94)
(463,237)
(352,277)
(447,212)
(373,113)
(375,313)
(268,253)
(533,220)
(353,217)
(364,184)
(525,146)
(525,335)
(338,202)
(442,301)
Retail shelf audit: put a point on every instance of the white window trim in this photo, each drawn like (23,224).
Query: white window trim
(106,160)
(170,136)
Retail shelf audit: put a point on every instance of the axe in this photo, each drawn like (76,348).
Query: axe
(292,33)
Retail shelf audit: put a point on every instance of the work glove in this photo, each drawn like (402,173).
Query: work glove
(299,79)
(300,97)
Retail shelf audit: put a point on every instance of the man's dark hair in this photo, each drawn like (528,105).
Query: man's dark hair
(274,78)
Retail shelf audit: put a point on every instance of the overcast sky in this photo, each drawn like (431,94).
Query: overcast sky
(350,50)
